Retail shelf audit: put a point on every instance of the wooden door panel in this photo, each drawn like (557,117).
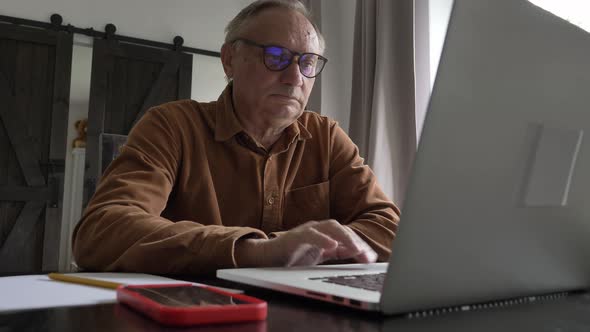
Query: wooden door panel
(9,212)
(25,146)
(131,86)
(126,81)
(10,171)
(162,89)
(23,250)
(34,96)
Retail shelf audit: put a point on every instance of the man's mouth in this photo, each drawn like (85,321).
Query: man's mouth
(286,97)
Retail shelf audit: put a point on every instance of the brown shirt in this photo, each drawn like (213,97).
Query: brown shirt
(190,182)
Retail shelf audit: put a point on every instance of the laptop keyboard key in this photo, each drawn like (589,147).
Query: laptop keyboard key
(372,282)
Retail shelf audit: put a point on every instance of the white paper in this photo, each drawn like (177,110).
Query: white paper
(38,291)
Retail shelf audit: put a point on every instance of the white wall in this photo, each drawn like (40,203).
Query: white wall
(338,30)
(208,78)
(79,94)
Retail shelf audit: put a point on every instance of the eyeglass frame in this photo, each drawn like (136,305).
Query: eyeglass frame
(293,55)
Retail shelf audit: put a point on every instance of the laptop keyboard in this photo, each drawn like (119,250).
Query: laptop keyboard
(372,282)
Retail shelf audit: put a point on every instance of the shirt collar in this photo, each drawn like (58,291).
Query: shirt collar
(227,124)
(301,130)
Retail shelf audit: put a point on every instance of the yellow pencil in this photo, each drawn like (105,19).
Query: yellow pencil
(83,281)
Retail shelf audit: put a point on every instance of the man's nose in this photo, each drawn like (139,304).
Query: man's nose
(292,74)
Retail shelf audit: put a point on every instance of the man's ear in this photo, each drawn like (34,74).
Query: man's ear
(226,59)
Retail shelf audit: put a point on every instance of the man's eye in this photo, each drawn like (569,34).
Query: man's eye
(308,64)
(273,58)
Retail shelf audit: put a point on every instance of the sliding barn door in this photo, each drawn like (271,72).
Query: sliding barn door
(35,70)
(126,81)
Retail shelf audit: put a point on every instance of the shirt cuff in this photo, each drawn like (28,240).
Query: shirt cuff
(250,234)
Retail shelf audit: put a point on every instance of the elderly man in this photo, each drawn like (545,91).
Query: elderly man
(249,180)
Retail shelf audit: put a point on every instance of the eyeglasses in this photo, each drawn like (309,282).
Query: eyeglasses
(277,58)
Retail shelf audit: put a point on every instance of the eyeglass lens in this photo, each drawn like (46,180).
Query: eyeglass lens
(279,58)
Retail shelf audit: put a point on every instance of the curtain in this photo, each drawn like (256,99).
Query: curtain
(382,118)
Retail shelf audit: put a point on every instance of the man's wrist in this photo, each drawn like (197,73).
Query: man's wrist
(251,252)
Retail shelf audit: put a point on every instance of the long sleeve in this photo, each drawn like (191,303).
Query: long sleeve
(356,198)
(123,229)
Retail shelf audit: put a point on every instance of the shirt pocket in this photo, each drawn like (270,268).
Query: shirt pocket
(306,203)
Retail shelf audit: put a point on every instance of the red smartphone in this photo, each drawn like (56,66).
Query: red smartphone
(188,304)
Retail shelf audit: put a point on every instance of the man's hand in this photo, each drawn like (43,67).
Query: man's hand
(309,244)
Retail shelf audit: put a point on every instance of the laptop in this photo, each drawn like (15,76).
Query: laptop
(497,206)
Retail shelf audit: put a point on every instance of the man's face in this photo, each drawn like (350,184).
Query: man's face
(275,98)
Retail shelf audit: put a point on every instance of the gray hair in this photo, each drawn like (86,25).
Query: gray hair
(235,26)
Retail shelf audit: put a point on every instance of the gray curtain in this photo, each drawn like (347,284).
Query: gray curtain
(382,118)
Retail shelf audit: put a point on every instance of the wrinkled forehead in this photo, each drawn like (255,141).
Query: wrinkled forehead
(282,27)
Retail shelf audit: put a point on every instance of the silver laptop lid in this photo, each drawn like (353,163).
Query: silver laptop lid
(497,206)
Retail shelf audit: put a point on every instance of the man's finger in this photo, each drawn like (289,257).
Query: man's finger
(362,253)
(306,255)
(369,256)
(344,235)
(316,238)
